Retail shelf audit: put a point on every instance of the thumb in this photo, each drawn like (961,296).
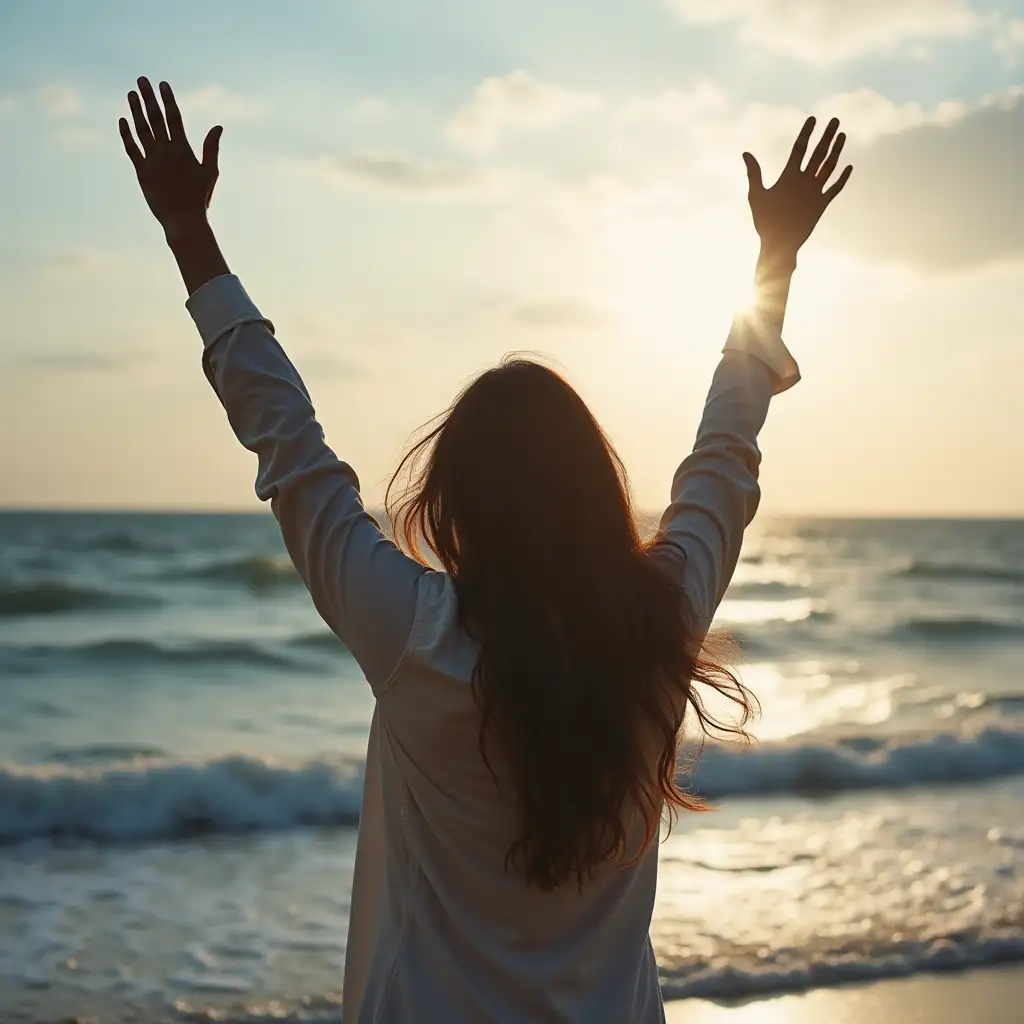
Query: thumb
(753,173)
(211,148)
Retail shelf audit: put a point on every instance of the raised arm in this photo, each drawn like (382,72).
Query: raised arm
(715,491)
(362,585)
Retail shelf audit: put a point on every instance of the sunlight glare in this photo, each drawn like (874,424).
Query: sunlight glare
(671,277)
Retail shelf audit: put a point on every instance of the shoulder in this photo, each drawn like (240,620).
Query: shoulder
(437,610)
(438,645)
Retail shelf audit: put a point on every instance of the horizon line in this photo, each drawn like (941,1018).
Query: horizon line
(199,510)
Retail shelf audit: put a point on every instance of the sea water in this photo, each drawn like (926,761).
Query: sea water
(182,742)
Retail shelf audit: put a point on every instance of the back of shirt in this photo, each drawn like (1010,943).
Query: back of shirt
(458,935)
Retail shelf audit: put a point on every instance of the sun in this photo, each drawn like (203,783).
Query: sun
(669,277)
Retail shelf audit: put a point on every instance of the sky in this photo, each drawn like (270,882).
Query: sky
(410,191)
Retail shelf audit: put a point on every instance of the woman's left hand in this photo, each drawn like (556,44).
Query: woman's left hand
(787,213)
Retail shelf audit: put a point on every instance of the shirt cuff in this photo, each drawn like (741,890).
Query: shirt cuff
(221,305)
(750,336)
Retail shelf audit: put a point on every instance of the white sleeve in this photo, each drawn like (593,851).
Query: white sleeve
(715,491)
(362,585)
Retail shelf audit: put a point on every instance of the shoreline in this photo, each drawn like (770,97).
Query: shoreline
(985,995)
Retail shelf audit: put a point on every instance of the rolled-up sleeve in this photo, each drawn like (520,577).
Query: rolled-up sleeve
(715,491)
(362,585)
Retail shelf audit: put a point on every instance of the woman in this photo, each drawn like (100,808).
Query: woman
(529,698)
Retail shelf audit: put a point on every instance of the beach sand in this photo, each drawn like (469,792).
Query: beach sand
(994,996)
(984,996)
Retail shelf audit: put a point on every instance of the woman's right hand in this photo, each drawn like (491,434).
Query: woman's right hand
(177,186)
(787,213)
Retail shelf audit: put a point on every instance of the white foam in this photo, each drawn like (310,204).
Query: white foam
(156,799)
(804,765)
(729,981)
(150,799)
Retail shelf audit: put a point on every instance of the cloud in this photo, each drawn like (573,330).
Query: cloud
(400,174)
(867,115)
(218,103)
(368,108)
(58,101)
(820,31)
(83,260)
(76,136)
(516,100)
(329,365)
(676,106)
(940,196)
(93,362)
(1010,38)
(559,314)
(715,142)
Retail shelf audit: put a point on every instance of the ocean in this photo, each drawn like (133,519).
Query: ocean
(182,742)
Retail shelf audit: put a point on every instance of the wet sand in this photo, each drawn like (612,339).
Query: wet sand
(992,996)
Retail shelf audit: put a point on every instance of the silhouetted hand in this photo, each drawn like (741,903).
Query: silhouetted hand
(177,186)
(786,214)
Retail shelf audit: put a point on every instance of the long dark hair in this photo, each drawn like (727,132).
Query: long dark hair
(589,650)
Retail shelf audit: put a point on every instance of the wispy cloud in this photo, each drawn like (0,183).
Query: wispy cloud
(76,136)
(218,103)
(71,360)
(820,31)
(401,174)
(769,129)
(82,260)
(1009,37)
(368,108)
(867,114)
(516,100)
(676,106)
(59,101)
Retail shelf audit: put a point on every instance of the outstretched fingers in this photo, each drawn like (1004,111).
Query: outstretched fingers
(755,179)
(828,167)
(796,157)
(142,129)
(211,149)
(830,193)
(822,148)
(130,145)
(156,115)
(175,125)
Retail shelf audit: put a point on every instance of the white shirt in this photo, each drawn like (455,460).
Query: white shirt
(439,930)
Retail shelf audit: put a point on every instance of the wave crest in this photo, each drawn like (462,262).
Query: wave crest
(160,799)
(51,597)
(305,652)
(952,571)
(858,763)
(964,629)
(163,800)
(256,572)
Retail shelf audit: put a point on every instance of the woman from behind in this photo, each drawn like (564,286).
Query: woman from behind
(531,694)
